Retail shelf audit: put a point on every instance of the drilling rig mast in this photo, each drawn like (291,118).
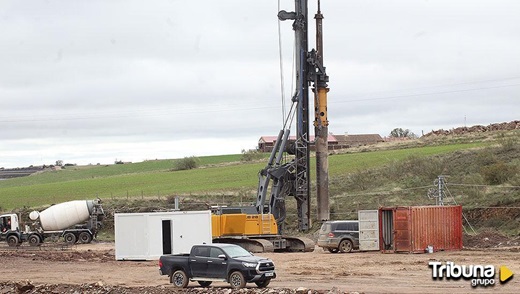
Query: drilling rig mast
(309,69)
(278,179)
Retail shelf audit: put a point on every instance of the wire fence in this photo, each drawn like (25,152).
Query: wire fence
(477,217)
(504,219)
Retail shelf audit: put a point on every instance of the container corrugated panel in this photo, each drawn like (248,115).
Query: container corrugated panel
(368,230)
(414,228)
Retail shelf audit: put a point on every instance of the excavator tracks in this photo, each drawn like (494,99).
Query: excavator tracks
(251,245)
(299,244)
(259,245)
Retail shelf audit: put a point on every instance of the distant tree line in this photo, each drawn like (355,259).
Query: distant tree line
(400,133)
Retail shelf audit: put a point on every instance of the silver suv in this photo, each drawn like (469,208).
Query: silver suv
(342,236)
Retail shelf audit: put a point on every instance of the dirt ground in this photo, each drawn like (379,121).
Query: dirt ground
(362,272)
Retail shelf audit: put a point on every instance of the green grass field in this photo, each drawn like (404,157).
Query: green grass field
(216,175)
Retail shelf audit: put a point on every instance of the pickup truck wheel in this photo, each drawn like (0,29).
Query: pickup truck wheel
(263,284)
(345,246)
(70,238)
(179,279)
(85,237)
(333,250)
(13,241)
(236,280)
(34,240)
(204,283)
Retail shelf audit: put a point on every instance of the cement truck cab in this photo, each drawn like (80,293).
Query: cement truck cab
(8,222)
(9,229)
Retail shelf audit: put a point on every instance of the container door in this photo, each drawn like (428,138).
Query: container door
(402,230)
(386,230)
(167,236)
(368,230)
(131,236)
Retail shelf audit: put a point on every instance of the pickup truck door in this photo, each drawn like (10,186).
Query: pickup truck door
(199,261)
(217,267)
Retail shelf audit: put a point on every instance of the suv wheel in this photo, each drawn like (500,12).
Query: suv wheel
(345,246)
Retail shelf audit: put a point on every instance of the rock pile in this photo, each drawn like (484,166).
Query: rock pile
(506,126)
(490,239)
(27,287)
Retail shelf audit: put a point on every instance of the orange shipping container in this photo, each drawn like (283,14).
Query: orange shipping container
(414,229)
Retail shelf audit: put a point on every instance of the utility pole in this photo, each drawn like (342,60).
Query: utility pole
(440,188)
(438,192)
(309,69)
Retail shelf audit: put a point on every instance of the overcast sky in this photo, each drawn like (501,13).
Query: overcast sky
(95,81)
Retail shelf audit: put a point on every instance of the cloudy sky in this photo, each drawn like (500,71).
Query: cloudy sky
(90,81)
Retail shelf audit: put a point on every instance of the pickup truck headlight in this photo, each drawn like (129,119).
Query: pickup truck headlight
(249,264)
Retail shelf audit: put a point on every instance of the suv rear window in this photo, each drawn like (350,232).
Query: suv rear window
(325,228)
(347,226)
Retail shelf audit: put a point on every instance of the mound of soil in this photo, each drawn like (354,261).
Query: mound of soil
(505,126)
(489,239)
(27,287)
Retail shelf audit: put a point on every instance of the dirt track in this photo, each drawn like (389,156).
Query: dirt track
(369,272)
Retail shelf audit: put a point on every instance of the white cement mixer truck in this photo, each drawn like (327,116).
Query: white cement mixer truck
(75,221)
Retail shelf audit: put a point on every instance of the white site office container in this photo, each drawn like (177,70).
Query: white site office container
(368,230)
(147,236)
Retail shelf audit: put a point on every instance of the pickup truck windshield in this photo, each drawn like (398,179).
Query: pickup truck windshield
(236,251)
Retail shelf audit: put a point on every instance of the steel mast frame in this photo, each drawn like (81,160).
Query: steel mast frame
(309,68)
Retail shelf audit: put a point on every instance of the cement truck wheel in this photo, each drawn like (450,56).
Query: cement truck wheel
(85,237)
(34,240)
(70,238)
(13,241)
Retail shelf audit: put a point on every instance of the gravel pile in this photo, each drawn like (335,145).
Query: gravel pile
(27,287)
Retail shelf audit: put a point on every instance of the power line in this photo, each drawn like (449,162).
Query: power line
(221,108)
(425,94)
(493,207)
(139,113)
(282,78)
(475,185)
(380,192)
(449,85)
(454,201)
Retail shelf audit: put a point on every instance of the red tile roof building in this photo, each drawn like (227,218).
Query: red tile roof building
(266,143)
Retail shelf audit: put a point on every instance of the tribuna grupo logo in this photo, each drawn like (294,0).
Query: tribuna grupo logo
(479,275)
